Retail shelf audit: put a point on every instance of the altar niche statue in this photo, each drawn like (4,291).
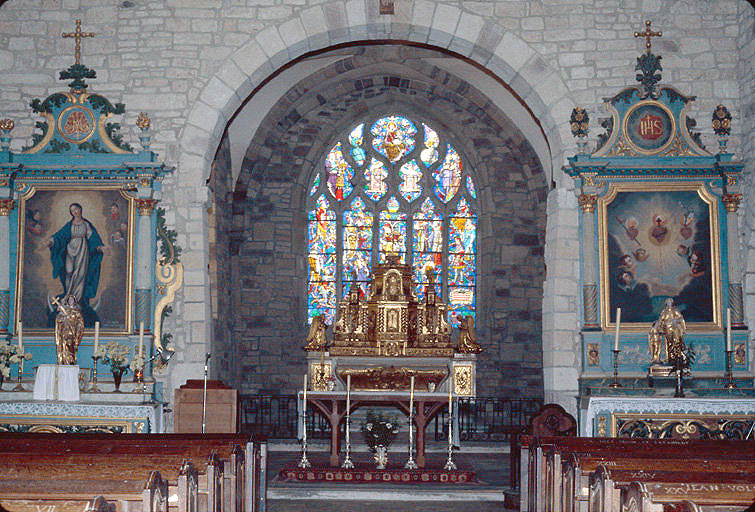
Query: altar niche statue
(69,329)
(467,343)
(669,328)
(316,340)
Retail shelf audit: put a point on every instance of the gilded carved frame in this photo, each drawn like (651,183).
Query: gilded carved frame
(712,203)
(29,193)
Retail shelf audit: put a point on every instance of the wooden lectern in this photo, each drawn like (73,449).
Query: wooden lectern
(221,407)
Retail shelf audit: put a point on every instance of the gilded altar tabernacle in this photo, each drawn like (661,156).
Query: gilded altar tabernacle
(390,321)
(69,329)
(384,338)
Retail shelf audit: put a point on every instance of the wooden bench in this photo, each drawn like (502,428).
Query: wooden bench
(560,472)
(219,460)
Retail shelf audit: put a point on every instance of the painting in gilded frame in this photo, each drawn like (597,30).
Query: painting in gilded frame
(659,241)
(75,242)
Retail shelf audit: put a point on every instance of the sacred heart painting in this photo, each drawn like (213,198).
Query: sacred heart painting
(76,243)
(659,241)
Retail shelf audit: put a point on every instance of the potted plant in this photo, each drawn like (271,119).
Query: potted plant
(379,432)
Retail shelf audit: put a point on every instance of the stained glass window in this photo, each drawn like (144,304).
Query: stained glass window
(322,260)
(410,195)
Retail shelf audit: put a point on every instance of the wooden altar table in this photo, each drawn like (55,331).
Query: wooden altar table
(332,404)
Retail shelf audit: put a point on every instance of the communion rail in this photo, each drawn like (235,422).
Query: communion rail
(484,418)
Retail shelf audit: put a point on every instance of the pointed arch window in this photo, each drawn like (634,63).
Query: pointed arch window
(392,184)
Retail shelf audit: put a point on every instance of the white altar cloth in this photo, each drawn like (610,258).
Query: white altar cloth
(598,406)
(57,382)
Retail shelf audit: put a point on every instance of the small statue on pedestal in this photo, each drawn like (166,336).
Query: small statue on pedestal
(467,343)
(666,337)
(316,339)
(69,329)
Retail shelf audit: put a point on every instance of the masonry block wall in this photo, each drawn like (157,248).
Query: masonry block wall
(191,63)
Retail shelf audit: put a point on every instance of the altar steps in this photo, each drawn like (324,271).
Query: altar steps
(488,493)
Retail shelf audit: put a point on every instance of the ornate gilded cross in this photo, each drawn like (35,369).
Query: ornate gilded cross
(78,35)
(648,34)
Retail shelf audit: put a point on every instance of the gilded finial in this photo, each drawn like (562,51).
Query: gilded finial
(6,125)
(143,121)
(721,121)
(580,122)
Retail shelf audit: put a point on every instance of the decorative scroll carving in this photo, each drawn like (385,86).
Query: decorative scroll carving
(169,273)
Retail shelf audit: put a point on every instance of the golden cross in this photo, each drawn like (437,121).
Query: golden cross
(78,35)
(648,34)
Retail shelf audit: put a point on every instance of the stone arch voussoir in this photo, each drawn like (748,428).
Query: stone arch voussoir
(484,42)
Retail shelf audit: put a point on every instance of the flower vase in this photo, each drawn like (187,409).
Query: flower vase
(381,456)
(117,376)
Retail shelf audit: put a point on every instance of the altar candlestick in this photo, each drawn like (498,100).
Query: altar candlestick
(728,329)
(96,335)
(20,337)
(141,338)
(618,328)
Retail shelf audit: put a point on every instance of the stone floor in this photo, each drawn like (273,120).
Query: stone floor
(491,463)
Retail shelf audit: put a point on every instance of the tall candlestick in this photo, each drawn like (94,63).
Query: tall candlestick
(304,462)
(96,335)
(347,462)
(20,337)
(450,465)
(141,337)
(618,327)
(728,329)
(410,464)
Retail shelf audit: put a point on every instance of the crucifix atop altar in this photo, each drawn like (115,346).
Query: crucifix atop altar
(385,338)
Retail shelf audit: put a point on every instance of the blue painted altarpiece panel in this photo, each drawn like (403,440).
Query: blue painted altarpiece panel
(80,218)
(658,221)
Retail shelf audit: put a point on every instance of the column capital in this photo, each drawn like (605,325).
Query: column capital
(731,202)
(587,202)
(146,206)
(6,205)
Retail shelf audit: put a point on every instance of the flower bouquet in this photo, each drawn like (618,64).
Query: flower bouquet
(379,432)
(114,355)
(9,354)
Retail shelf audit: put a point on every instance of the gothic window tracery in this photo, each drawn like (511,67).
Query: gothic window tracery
(392,184)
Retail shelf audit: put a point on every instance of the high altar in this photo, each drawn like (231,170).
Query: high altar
(85,255)
(381,344)
(659,225)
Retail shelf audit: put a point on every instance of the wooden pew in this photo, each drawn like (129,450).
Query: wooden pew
(150,495)
(218,457)
(558,468)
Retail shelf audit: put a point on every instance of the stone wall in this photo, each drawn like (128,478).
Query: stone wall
(191,64)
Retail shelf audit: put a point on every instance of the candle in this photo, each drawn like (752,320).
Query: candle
(404,348)
(450,412)
(96,335)
(20,337)
(728,329)
(378,348)
(141,338)
(348,393)
(618,327)
(411,393)
(305,394)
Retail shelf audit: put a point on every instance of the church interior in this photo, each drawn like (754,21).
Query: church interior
(322,255)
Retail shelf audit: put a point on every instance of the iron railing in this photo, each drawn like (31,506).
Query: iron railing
(480,418)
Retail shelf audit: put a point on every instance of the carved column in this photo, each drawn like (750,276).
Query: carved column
(731,202)
(590,287)
(143,264)
(6,206)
